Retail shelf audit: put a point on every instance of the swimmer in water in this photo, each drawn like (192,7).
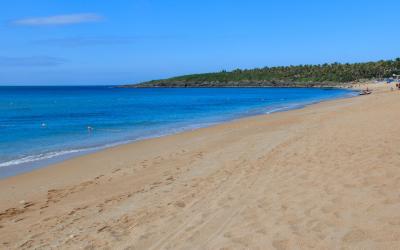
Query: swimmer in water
(90,129)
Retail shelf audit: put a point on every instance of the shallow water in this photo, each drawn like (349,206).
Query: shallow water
(41,125)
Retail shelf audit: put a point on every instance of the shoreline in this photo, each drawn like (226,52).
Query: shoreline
(291,85)
(322,176)
(51,158)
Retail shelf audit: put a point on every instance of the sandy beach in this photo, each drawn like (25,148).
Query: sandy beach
(323,177)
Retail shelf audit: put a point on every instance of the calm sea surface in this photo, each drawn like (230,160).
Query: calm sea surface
(42,125)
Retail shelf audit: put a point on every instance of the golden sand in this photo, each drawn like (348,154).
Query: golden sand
(324,177)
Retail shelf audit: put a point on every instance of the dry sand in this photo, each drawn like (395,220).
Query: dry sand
(324,177)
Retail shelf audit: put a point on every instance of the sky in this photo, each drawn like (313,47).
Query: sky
(103,42)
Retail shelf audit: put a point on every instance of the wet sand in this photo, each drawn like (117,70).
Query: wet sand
(325,177)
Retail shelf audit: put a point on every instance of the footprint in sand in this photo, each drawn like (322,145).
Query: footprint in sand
(11,212)
(180,204)
(280,244)
(98,177)
(355,235)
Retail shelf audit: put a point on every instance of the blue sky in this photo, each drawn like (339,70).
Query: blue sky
(71,42)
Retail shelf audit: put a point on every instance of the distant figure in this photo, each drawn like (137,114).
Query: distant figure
(43,125)
(365,92)
(90,129)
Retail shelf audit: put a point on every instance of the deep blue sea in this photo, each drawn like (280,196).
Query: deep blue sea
(42,125)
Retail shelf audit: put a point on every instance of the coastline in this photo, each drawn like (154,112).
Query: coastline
(42,159)
(321,176)
(254,85)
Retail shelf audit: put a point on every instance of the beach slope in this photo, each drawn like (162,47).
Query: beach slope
(325,177)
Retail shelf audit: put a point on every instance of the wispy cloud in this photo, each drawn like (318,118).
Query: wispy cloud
(58,20)
(100,40)
(32,61)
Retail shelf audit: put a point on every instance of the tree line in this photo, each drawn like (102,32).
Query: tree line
(299,74)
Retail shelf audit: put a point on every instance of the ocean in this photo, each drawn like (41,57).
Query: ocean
(44,125)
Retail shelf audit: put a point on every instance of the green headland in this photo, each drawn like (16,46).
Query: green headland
(321,75)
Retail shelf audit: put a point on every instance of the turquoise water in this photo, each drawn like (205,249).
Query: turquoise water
(42,125)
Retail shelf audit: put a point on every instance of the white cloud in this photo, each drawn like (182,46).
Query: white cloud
(59,20)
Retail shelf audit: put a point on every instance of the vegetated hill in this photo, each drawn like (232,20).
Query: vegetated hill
(286,76)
